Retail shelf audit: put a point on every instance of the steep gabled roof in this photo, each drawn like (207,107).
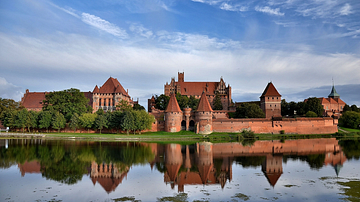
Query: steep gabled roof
(272,178)
(173,105)
(112,86)
(270,90)
(204,105)
(33,100)
(96,89)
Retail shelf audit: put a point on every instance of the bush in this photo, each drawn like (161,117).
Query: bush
(311,114)
(350,119)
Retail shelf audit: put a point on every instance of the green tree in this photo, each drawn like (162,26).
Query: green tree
(182,100)
(246,110)
(7,117)
(21,118)
(310,114)
(142,120)
(347,108)
(124,105)
(217,102)
(301,108)
(9,104)
(355,108)
(58,121)
(193,102)
(32,120)
(314,104)
(115,120)
(87,120)
(350,119)
(45,119)
(138,107)
(161,101)
(101,122)
(67,102)
(128,122)
(74,122)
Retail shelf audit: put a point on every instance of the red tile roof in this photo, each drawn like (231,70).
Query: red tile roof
(112,86)
(96,89)
(204,105)
(196,88)
(33,100)
(270,90)
(173,105)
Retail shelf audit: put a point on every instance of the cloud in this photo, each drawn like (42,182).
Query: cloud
(103,25)
(9,90)
(268,10)
(141,30)
(228,7)
(345,10)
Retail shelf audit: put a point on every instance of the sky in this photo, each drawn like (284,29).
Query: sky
(302,46)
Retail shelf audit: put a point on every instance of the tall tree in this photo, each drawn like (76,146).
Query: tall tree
(217,102)
(67,102)
(101,122)
(124,105)
(128,122)
(58,121)
(32,120)
(314,104)
(45,119)
(74,122)
(246,110)
(7,117)
(161,101)
(20,119)
(115,120)
(87,120)
(9,104)
(138,107)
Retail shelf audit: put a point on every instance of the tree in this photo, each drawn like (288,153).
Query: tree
(193,102)
(355,108)
(32,119)
(347,108)
(161,101)
(314,104)
(67,102)
(115,120)
(138,107)
(350,119)
(217,102)
(246,110)
(142,120)
(20,119)
(87,120)
(128,122)
(45,119)
(7,117)
(301,108)
(310,114)
(124,105)
(9,104)
(74,122)
(58,121)
(101,122)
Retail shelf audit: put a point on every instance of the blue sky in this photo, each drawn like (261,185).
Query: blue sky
(299,45)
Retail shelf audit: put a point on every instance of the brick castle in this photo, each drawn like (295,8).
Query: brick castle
(205,120)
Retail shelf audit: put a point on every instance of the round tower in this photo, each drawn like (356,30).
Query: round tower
(203,116)
(173,115)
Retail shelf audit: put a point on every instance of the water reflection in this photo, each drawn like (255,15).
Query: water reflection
(108,163)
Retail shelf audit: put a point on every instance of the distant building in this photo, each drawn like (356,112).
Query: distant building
(197,88)
(270,101)
(109,95)
(106,97)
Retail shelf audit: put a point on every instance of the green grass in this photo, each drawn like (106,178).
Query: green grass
(350,129)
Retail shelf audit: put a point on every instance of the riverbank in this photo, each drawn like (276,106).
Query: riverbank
(185,136)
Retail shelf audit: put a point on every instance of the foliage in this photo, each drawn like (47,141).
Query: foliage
(217,102)
(161,101)
(350,119)
(58,121)
(246,110)
(74,122)
(32,119)
(87,120)
(301,108)
(128,122)
(45,119)
(138,107)
(115,120)
(142,120)
(67,102)
(124,105)
(9,104)
(310,114)
(314,104)
(101,122)
(7,117)
(21,118)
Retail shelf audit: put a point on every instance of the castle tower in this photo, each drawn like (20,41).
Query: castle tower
(270,101)
(173,115)
(203,116)
(272,168)
(180,77)
(333,93)
(205,160)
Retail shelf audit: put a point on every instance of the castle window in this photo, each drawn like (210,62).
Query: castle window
(272,97)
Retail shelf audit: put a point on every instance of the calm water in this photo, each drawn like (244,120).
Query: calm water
(292,170)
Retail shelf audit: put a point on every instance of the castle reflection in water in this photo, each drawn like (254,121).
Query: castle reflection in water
(211,163)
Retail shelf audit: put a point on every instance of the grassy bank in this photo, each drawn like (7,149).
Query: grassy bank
(182,136)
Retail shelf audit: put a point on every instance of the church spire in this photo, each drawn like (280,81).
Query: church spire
(333,93)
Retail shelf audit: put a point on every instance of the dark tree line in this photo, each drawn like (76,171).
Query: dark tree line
(311,108)
(184,101)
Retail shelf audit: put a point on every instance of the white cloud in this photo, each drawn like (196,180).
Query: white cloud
(345,10)
(268,10)
(141,30)
(9,90)
(103,25)
(228,7)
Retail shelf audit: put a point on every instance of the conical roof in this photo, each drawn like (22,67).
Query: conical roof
(204,105)
(333,93)
(173,105)
(270,90)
